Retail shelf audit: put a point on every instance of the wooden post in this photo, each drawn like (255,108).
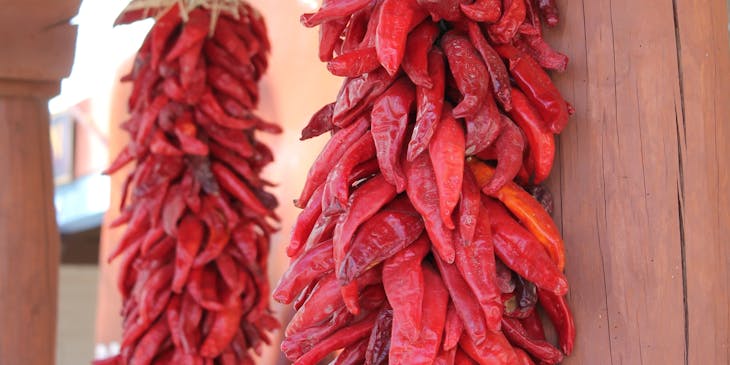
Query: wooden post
(37,51)
(642,180)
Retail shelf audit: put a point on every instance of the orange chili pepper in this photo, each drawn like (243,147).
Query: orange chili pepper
(529,211)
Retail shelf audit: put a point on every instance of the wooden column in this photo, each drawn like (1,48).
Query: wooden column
(37,51)
(642,180)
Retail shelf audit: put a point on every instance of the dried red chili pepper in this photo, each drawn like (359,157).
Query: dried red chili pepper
(199,219)
(357,199)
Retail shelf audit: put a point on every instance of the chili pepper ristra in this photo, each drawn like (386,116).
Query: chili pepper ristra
(418,242)
(198,215)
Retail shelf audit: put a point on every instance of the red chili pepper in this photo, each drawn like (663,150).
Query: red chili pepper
(329,35)
(548,58)
(483,129)
(355,31)
(453,328)
(222,332)
(557,309)
(519,250)
(337,187)
(354,63)
(326,160)
(465,302)
(497,71)
(441,9)
(146,349)
(358,94)
(305,223)
(541,141)
(190,239)
(533,326)
(337,340)
(320,123)
(469,207)
(193,33)
(475,261)
(447,157)
(303,271)
(509,148)
(537,86)
(397,18)
(381,237)
(232,184)
(332,10)
(531,214)
(379,342)
(540,349)
(430,103)
(163,29)
(389,119)
(423,193)
(405,288)
(469,73)
(487,11)
(494,350)
(218,234)
(353,354)
(549,11)
(506,28)
(364,203)
(523,358)
(416,59)
(428,343)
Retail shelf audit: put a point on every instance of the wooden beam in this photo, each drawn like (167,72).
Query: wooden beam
(37,51)
(642,195)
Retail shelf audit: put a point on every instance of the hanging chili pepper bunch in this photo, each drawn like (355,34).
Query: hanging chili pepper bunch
(415,244)
(199,218)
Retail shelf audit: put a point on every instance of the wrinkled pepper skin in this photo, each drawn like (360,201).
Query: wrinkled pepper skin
(531,214)
(451,119)
(537,86)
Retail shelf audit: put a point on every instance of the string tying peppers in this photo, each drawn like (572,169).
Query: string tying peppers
(416,244)
(198,215)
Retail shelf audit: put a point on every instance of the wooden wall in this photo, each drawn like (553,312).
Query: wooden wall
(642,178)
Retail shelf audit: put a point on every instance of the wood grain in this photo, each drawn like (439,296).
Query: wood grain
(641,191)
(29,243)
(704,60)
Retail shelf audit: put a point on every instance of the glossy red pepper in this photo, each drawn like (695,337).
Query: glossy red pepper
(557,309)
(465,302)
(494,350)
(506,28)
(541,141)
(382,236)
(418,47)
(497,71)
(337,187)
(469,72)
(327,159)
(423,193)
(397,18)
(509,148)
(428,343)
(487,11)
(320,123)
(354,63)
(540,349)
(453,328)
(441,9)
(389,119)
(531,214)
(549,11)
(404,285)
(332,10)
(430,104)
(537,86)
(447,157)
